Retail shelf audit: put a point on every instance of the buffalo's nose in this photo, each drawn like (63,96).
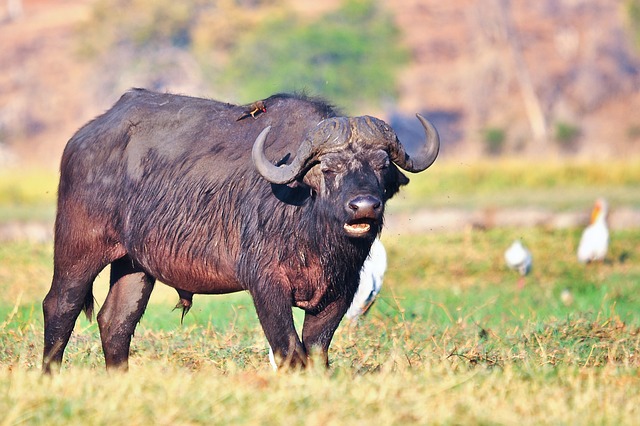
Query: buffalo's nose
(365,206)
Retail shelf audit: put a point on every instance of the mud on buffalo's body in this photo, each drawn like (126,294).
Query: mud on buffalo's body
(167,187)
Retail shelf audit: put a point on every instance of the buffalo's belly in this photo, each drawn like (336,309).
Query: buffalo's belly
(205,287)
(191,275)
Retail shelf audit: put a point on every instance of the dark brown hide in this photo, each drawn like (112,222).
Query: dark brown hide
(163,187)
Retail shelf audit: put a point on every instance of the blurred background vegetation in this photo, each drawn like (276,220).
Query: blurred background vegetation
(250,49)
(499,78)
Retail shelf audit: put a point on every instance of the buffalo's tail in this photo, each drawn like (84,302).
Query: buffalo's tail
(89,301)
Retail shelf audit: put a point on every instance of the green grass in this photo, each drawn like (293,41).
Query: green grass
(27,195)
(31,194)
(518,183)
(451,339)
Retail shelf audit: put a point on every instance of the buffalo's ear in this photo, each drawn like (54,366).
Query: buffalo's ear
(402,179)
(394,180)
(313,178)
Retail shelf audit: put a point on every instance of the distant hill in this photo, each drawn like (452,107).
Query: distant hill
(575,54)
(517,78)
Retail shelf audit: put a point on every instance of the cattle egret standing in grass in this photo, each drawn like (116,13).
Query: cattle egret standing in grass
(595,238)
(370,284)
(370,281)
(519,258)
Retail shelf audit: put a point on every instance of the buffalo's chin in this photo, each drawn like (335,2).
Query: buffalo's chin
(359,228)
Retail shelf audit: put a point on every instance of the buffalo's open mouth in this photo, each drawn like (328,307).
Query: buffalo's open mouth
(359,227)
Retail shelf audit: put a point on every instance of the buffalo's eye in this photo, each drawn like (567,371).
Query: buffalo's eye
(384,165)
(331,169)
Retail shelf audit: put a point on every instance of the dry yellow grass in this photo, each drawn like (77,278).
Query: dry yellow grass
(435,392)
(450,341)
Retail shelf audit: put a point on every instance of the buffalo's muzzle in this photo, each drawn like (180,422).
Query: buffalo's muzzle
(365,206)
(366,211)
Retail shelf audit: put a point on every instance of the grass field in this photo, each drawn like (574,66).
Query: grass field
(30,194)
(451,340)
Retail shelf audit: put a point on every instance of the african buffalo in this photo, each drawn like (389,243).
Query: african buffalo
(179,189)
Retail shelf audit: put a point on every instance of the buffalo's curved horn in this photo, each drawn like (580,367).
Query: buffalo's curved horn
(425,157)
(309,149)
(262,164)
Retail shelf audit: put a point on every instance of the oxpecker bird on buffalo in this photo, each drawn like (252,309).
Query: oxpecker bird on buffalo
(174,189)
(258,107)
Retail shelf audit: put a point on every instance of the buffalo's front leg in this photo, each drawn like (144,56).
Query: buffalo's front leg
(127,299)
(318,329)
(275,315)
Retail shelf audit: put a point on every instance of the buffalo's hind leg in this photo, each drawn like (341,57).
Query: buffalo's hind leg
(127,299)
(61,306)
(76,265)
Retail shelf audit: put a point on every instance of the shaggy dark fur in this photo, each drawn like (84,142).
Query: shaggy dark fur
(163,187)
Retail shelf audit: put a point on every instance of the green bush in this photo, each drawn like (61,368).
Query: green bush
(632,9)
(494,139)
(633,132)
(566,135)
(350,56)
